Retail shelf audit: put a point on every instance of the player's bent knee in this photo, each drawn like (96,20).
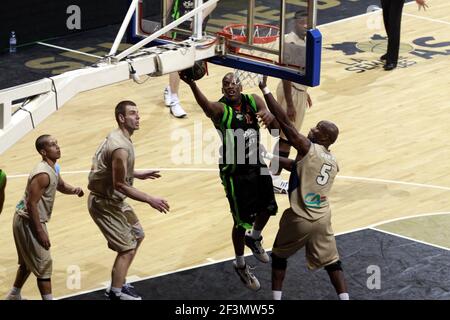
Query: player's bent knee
(138,231)
(278,263)
(140,236)
(336,266)
(127,253)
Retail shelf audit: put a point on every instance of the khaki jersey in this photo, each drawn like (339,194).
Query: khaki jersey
(100,177)
(311,181)
(295,54)
(45,204)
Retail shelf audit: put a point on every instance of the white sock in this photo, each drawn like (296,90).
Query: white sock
(116,290)
(255,234)
(47,296)
(344,296)
(174,97)
(240,261)
(15,291)
(276,294)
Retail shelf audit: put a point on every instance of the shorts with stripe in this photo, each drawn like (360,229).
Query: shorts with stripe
(249,194)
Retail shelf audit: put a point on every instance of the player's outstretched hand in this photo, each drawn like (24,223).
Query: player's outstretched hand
(422,4)
(159,204)
(184,76)
(263,83)
(147,174)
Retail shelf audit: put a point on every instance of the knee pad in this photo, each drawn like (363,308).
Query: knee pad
(278,263)
(336,266)
(43,280)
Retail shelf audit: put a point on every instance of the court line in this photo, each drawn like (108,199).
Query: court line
(129,279)
(347,19)
(410,239)
(394,182)
(376,180)
(67,49)
(158,169)
(407,217)
(157,275)
(354,17)
(213,261)
(426,18)
(210,262)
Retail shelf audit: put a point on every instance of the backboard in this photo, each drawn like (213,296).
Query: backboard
(273,37)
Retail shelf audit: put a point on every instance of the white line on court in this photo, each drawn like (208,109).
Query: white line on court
(407,217)
(213,261)
(155,276)
(346,19)
(375,180)
(426,18)
(129,279)
(355,17)
(394,182)
(158,169)
(67,49)
(411,239)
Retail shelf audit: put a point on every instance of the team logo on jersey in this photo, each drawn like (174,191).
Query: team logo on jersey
(247,117)
(314,200)
(20,206)
(189,5)
(424,47)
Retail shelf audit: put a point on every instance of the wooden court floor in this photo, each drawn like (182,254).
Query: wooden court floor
(393,152)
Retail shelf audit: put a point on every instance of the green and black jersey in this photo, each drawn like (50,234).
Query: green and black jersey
(239,132)
(2,179)
(180,8)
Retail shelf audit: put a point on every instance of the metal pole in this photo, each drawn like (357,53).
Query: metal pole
(198,22)
(312,14)
(282,31)
(167,28)
(123,28)
(250,21)
(164,13)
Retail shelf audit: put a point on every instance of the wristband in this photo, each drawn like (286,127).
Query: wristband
(265,90)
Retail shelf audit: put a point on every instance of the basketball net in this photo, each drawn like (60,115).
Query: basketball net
(265,36)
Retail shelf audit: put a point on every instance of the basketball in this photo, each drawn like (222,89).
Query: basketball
(196,72)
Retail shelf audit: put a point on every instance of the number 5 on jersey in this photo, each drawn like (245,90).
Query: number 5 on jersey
(324,175)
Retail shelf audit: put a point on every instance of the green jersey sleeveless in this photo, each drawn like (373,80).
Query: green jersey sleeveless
(239,132)
(2,178)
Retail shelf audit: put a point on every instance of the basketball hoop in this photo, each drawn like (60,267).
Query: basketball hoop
(264,35)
